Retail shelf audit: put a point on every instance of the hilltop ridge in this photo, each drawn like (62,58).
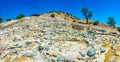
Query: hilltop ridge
(58,38)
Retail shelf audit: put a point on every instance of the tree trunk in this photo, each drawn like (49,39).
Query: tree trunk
(86,20)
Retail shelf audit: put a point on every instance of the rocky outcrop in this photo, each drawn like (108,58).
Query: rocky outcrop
(47,39)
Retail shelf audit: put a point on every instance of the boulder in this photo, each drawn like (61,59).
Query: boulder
(91,52)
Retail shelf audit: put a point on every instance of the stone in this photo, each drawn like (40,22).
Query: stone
(113,47)
(55,54)
(64,30)
(19,37)
(20,46)
(48,37)
(40,48)
(3,55)
(60,50)
(19,53)
(29,53)
(82,53)
(28,43)
(50,43)
(47,48)
(112,60)
(91,52)
(103,50)
(49,52)
(90,44)
(59,58)
(13,50)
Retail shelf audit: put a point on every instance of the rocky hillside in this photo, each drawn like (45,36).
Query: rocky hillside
(57,39)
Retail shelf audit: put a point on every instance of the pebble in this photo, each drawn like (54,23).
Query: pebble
(103,50)
(82,53)
(55,54)
(47,48)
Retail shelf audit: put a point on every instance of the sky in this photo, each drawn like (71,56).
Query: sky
(101,9)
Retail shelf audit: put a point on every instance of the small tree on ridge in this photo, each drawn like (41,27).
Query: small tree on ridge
(111,21)
(86,13)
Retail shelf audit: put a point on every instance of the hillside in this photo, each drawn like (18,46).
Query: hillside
(62,38)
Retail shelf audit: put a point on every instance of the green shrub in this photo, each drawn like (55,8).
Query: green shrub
(8,19)
(65,18)
(20,16)
(118,29)
(0,19)
(91,22)
(96,23)
(52,15)
(35,15)
(111,21)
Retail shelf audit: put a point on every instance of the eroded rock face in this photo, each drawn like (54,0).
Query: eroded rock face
(54,40)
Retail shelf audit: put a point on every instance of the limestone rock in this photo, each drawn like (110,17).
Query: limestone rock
(29,53)
(82,53)
(55,54)
(91,52)
(103,50)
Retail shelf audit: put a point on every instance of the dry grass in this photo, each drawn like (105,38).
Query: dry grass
(81,42)
(22,58)
(106,44)
(108,55)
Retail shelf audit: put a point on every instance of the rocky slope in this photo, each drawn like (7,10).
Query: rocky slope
(57,39)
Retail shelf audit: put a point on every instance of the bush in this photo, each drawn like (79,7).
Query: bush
(8,19)
(111,21)
(0,19)
(52,15)
(118,29)
(35,15)
(96,23)
(91,22)
(20,16)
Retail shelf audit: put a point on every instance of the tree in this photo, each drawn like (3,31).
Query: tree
(111,21)
(86,13)
(118,28)
(52,15)
(0,19)
(20,16)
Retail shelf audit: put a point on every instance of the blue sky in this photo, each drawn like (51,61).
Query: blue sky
(101,9)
